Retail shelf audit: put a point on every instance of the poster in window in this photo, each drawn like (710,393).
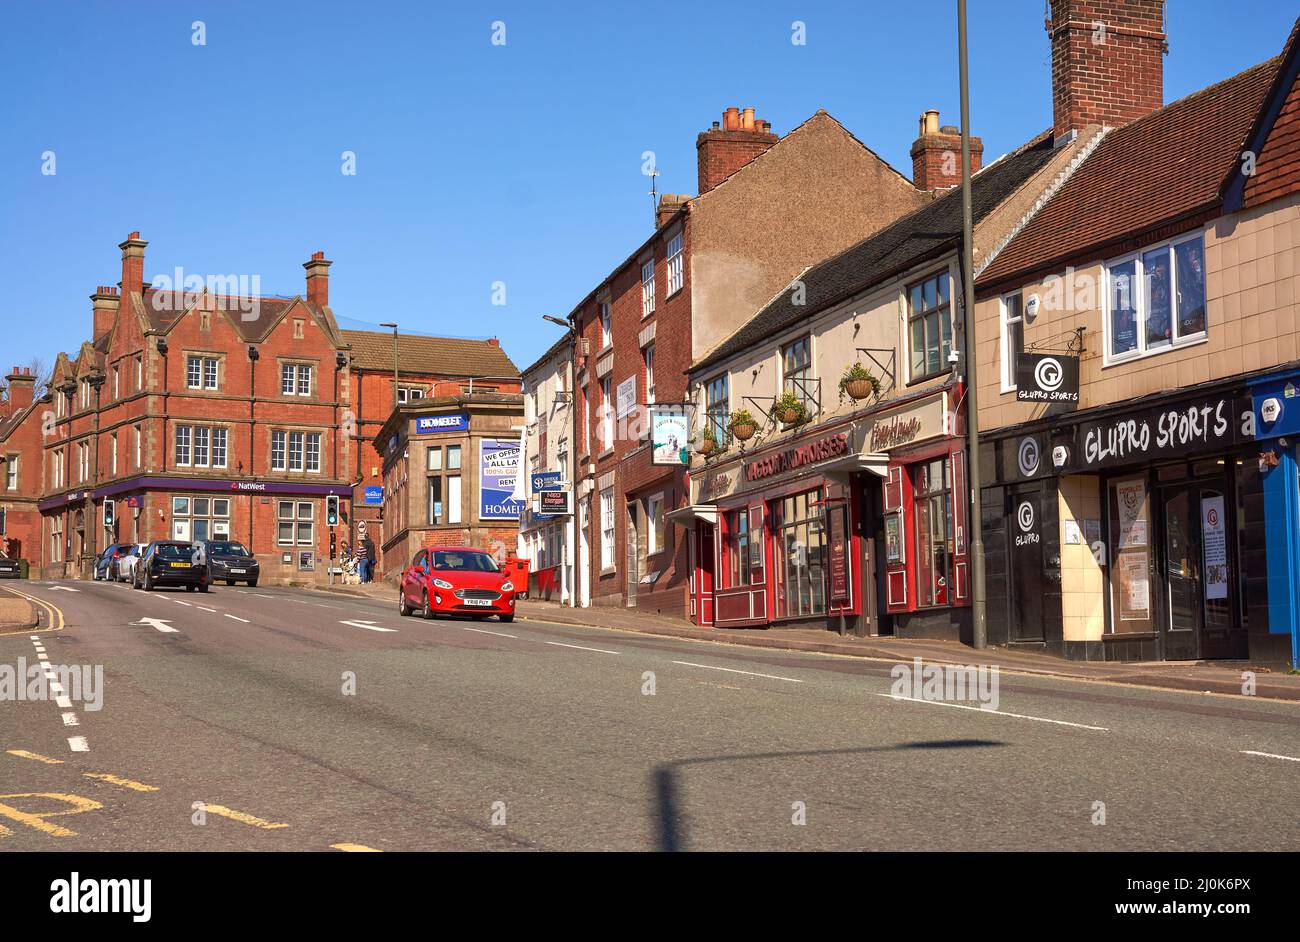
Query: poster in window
(839,555)
(1134,587)
(1131,498)
(894,538)
(1215,545)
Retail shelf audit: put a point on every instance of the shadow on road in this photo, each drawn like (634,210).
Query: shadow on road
(665,777)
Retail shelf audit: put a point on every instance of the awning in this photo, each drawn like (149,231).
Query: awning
(685,516)
(841,468)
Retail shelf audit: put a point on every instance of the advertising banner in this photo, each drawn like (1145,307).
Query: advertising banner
(498,465)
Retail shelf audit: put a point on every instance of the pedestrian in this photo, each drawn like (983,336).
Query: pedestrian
(368,547)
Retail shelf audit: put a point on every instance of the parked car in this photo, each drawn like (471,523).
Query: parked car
(170,562)
(231,562)
(127,561)
(10,568)
(104,563)
(459,581)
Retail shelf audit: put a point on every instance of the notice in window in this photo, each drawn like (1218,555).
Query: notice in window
(1215,545)
(1135,587)
(1131,497)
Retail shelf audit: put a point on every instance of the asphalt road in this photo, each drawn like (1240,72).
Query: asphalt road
(227,723)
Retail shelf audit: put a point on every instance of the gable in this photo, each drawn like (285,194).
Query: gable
(1277,161)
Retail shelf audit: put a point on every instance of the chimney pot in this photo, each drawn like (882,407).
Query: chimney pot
(721,152)
(931,123)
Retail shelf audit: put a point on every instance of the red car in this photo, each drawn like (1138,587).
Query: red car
(456,581)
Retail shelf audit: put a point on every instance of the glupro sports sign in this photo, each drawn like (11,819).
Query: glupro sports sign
(1047,378)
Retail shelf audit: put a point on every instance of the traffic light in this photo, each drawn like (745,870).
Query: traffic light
(110,512)
(334,544)
(332,510)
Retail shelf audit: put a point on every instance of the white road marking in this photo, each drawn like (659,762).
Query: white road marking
(56,687)
(1019,716)
(78,744)
(62,588)
(179,602)
(261,596)
(369,626)
(42,656)
(204,609)
(65,703)
(237,618)
(159,623)
(70,719)
(732,670)
(560,644)
(1269,755)
(484,631)
(36,637)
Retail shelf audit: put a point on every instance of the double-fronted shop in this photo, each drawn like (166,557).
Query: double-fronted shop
(1132,534)
(855,525)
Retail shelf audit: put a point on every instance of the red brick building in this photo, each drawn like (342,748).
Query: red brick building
(769,207)
(199,415)
(21,423)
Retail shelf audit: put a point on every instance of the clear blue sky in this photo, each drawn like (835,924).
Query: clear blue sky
(475,163)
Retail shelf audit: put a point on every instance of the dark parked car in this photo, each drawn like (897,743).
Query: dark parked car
(231,562)
(169,562)
(106,564)
(10,568)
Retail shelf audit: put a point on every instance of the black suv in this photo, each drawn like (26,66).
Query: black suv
(231,562)
(169,562)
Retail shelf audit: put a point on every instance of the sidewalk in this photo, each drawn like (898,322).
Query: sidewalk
(16,613)
(1222,677)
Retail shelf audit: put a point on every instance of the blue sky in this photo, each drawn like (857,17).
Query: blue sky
(475,163)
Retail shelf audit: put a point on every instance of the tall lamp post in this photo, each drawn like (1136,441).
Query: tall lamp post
(394,326)
(571,527)
(978,614)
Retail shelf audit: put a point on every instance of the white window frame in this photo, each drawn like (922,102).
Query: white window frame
(113,450)
(138,446)
(606,326)
(676,277)
(608,541)
(117,386)
(606,413)
(11,473)
(1141,352)
(220,442)
(280,442)
(139,373)
(296,379)
(648,354)
(83,461)
(653,537)
(648,287)
(1004,338)
(184,449)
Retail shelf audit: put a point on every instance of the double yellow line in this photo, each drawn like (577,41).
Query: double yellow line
(57,620)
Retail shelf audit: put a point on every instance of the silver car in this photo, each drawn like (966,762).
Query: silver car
(126,564)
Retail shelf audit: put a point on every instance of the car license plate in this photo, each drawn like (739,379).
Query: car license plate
(180,565)
(239,571)
(483,602)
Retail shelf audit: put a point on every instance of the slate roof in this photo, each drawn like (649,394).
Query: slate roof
(164,308)
(373,350)
(1163,167)
(927,232)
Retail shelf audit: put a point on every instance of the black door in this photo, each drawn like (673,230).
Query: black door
(1181,627)
(1027,582)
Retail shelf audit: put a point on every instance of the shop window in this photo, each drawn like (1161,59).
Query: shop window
(929,325)
(801,568)
(1130,571)
(296,523)
(744,548)
(444,487)
(932,503)
(200,518)
(1155,299)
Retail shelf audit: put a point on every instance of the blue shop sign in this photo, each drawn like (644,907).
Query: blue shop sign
(1277,406)
(547,481)
(432,424)
(374,495)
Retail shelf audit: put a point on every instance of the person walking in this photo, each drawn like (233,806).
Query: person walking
(368,549)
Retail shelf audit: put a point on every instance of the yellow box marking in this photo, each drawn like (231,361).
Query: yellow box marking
(24,754)
(124,782)
(242,817)
(356,848)
(36,819)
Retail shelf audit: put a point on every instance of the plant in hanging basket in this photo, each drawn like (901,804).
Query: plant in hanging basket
(858,383)
(742,425)
(789,409)
(707,443)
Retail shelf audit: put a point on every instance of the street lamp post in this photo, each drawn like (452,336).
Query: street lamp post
(979,627)
(394,327)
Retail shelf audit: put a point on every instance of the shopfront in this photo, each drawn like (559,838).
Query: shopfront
(1130,534)
(853,526)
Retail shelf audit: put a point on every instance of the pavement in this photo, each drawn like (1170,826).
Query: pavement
(288,719)
(1221,677)
(16,612)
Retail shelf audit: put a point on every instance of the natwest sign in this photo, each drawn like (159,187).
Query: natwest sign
(780,462)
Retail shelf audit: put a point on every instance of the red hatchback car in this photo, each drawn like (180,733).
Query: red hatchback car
(456,581)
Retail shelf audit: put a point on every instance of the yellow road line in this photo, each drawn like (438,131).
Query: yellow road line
(124,782)
(356,848)
(37,820)
(242,817)
(57,620)
(24,754)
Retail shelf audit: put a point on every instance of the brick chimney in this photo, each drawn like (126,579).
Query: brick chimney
(669,203)
(1107,62)
(725,148)
(318,280)
(132,263)
(936,154)
(105,301)
(22,389)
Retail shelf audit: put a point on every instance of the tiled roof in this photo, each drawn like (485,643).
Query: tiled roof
(164,308)
(1160,168)
(925,233)
(373,350)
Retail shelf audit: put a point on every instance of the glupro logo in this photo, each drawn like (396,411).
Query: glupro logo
(1049,374)
(1025,515)
(1027,457)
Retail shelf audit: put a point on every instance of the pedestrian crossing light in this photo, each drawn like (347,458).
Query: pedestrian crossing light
(110,513)
(332,510)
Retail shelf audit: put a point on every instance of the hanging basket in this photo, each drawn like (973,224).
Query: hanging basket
(706,446)
(859,389)
(744,432)
(790,416)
